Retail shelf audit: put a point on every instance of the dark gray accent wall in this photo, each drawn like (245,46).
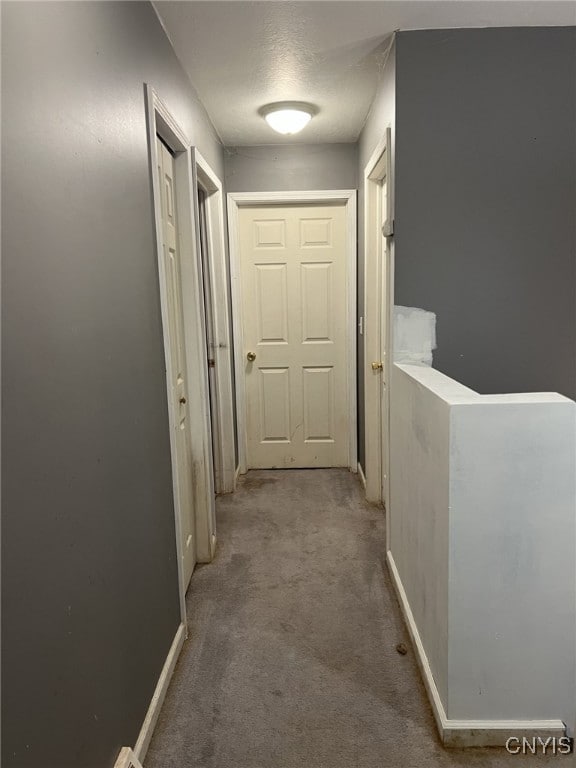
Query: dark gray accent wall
(486,200)
(380,117)
(89,572)
(291,167)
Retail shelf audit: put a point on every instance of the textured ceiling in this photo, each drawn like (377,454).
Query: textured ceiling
(241,55)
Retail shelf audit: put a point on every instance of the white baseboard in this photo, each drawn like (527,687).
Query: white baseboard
(227,481)
(127,759)
(151,718)
(236,476)
(362,475)
(465,733)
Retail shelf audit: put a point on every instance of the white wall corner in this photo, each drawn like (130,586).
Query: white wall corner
(465,733)
(482,553)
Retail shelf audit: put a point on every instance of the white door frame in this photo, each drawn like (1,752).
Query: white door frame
(378,256)
(237,200)
(160,121)
(225,462)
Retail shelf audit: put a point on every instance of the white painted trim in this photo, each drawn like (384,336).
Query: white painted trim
(362,475)
(160,121)
(235,201)
(389,363)
(377,168)
(216,235)
(352,259)
(464,733)
(165,124)
(194,317)
(309,196)
(236,476)
(422,659)
(127,759)
(159,695)
(158,117)
(374,168)
(238,336)
(207,178)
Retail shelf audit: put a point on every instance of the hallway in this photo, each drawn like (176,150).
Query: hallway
(291,658)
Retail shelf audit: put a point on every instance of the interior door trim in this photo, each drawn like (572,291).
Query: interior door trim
(159,121)
(237,200)
(216,258)
(378,241)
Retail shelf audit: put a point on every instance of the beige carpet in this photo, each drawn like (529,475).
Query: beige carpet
(291,660)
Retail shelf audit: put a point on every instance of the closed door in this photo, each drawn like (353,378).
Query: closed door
(177,362)
(294,321)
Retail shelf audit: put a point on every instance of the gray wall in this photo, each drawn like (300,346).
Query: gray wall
(381,115)
(291,167)
(90,597)
(485,201)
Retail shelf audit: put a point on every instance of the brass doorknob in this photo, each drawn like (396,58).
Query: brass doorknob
(377,366)
(251,356)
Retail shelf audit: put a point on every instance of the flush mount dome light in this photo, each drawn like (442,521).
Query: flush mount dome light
(288,117)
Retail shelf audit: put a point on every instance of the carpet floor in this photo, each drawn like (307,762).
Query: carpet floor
(291,658)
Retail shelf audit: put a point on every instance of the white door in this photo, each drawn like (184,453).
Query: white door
(177,359)
(294,321)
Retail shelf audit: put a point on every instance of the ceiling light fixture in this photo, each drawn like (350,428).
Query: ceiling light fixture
(288,117)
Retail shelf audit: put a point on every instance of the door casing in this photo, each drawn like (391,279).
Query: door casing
(209,182)
(378,315)
(235,201)
(161,122)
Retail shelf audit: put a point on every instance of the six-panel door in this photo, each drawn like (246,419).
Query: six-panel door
(294,319)
(179,391)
